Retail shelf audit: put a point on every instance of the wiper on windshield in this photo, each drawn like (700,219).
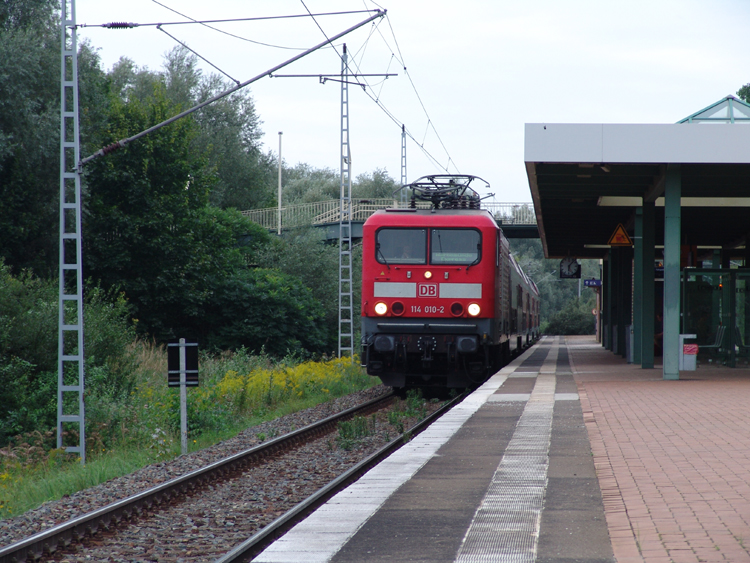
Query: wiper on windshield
(377,248)
(478,258)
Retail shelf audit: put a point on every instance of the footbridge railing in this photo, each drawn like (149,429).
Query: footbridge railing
(327,212)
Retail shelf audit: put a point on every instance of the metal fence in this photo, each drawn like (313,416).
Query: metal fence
(326,212)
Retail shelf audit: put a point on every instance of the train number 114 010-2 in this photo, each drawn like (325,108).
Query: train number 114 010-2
(434,309)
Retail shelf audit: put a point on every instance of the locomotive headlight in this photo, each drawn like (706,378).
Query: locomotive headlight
(427,275)
(381,308)
(474,309)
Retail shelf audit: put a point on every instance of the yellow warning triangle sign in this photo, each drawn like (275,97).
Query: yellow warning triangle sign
(620,237)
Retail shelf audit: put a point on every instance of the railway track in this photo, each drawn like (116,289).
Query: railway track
(99,529)
(259,541)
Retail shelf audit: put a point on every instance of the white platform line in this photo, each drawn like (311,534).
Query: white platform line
(505,527)
(319,537)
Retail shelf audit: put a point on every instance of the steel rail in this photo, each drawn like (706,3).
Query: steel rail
(49,541)
(262,539)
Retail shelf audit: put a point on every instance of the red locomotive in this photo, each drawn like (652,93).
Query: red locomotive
(444,304)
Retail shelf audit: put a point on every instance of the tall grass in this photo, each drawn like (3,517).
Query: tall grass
(126,432)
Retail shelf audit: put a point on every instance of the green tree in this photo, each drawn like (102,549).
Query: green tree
(574,318)
(265,309)
(230,136)
(28,349)
(306,256)
(30,130)
(145,229)
(149,228)
(744,93)
(303,183)
(555,293)
(377,184)
(229,133)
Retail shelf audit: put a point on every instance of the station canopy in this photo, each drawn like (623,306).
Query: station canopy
(586,179)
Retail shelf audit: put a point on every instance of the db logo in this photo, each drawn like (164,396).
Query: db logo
(427,289)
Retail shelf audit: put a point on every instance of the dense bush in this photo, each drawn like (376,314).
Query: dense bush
(265,309)
(28,350)
(129,430)
(574,318)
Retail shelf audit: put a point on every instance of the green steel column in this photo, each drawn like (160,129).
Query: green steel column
(672,229)
(626,294)
(730,293)
(607,302)
(614,272)
(647,288)
(717,298)
(621,289)
(616,306)
(637,285)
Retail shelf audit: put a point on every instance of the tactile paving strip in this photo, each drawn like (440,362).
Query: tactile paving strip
(506,525)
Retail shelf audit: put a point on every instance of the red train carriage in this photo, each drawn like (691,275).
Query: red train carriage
(443,302)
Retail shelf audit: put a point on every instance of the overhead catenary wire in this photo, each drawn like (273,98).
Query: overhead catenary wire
(401,61)
(408,133)
(224,20)
(367,87)
(206,23)
(393,118)
(198,55)
(414,87)
(123,142)
(424,109)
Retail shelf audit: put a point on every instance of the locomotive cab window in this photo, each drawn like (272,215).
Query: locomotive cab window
(401,246)
(455,246)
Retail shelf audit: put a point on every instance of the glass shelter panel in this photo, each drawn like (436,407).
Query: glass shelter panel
(716,309)
(742,317)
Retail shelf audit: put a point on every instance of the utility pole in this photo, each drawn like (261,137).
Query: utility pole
(346,305)
(70,374)
(279,198)
(346,332)
(403,164)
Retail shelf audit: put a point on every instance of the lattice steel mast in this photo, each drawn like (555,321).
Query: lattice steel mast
(346,333)
(70,372)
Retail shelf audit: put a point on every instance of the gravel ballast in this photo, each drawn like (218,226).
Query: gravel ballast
(214,519)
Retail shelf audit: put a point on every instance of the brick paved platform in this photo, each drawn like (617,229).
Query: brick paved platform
(672,457)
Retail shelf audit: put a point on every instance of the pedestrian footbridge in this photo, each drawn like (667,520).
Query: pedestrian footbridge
(518,220)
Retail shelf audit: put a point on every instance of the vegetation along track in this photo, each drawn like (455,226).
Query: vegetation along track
(200,515)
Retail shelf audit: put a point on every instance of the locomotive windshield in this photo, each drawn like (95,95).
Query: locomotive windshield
(455,246)
(401,246)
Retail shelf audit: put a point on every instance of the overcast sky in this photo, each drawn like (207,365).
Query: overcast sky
(482,69)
